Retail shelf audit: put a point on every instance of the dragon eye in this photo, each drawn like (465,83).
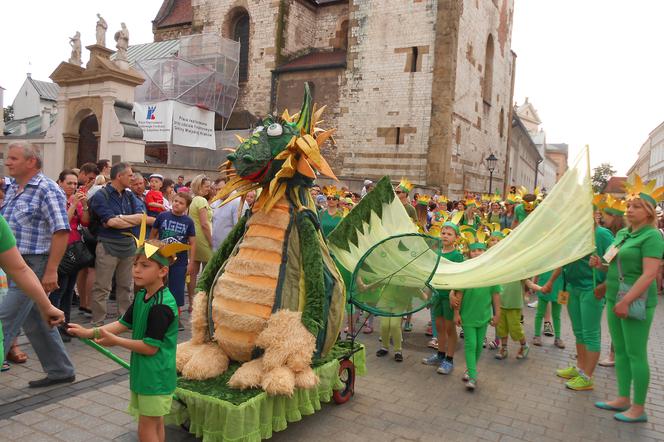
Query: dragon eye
(259,129)
(274,130)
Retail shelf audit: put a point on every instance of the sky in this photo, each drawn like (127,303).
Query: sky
(592,69)
(594,72)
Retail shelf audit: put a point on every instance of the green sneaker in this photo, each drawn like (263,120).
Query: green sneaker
(580,383)
(567,373)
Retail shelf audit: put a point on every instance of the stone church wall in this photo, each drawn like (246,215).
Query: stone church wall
(483,122)
(385,109)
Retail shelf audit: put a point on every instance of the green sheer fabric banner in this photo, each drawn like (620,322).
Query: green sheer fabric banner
(557,232)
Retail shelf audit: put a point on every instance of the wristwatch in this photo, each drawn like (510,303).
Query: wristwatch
(120,216)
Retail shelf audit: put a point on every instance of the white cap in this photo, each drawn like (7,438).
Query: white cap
(367,182)
(157,175)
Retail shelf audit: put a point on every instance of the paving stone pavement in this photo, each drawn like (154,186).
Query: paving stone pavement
(516,400)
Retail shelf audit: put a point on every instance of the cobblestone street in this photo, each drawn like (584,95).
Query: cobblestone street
(516,400)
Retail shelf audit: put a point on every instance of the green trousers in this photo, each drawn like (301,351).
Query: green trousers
(473,341)
(555,316)
(630,342)
(391,328)
(585,312)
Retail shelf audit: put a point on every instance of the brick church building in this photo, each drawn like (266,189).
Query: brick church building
(420,89)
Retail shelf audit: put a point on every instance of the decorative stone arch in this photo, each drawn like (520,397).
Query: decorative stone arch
(78,109)
(238,26)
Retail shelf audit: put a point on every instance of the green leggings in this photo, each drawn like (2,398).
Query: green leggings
(585,312)
(391,328)
(630,342)
(473,342)
(555,315)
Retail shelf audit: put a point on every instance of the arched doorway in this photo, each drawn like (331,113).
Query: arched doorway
(88,141)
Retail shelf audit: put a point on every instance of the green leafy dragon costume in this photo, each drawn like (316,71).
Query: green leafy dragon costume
(271,297)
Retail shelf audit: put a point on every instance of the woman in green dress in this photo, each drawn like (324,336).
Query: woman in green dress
(332,215)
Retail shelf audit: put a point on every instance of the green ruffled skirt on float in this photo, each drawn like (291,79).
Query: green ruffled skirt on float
(218,413)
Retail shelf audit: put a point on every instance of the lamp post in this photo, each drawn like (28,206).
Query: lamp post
(491,161)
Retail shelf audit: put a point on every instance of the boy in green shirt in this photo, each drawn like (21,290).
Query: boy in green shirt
(511,303)
(153,320)
(442,314)
(474,315)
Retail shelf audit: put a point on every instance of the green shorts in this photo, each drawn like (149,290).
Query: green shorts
(510,324)
(148,405)
(440,306)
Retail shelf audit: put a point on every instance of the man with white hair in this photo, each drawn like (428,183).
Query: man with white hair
(34,208)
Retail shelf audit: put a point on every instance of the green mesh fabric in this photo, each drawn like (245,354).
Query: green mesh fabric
(383,282)
(257,415)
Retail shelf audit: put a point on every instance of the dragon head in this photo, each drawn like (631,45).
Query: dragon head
(280,151)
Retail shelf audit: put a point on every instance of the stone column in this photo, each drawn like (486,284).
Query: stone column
(105,128)
(54,156)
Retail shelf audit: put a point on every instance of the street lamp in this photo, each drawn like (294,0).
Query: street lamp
(491,161)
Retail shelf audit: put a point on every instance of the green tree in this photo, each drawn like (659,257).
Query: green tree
(601,175)
(8,113)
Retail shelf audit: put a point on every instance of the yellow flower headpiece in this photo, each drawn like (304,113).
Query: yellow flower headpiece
(470,202)
(423,200)
(599,202)
(158,251)
(442,199)
(331,191)
(496,198)
(405,185)
(486,197)
(614,207)
(476,239)
(496,231)
(645,191)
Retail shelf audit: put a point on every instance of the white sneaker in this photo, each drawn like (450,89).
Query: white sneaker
(533,304)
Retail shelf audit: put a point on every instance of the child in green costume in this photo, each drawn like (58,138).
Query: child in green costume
(474,315)
(153,321)
(441,309)
(543,301)
(511,303)
(639,252)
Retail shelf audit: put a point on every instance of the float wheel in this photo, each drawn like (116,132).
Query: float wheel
(347,376)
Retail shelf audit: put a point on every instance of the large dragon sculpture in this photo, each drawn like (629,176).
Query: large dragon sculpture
(271,297)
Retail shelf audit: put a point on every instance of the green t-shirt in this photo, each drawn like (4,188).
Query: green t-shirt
(7,240)
(155,322)
(454,256)
(579,274)
(329,222)
(520,213)
(646,242)
(476,305)
(474,223)
(512,295)
(557,286)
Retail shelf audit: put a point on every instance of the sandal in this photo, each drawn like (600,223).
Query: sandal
(367,330)
(16,356)
(5,366)
(433,344)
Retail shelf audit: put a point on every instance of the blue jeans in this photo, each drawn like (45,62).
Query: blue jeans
(17,310)
(62,296)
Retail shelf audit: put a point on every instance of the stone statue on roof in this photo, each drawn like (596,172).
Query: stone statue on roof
(102,26)
(122,42)
(75,43)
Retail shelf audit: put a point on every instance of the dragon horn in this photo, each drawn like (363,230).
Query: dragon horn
(304,118)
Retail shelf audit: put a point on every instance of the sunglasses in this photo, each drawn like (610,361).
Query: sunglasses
(332,198)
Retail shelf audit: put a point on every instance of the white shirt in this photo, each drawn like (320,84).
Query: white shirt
(224,219)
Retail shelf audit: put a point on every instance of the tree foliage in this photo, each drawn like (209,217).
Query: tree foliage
(8,113)
(601,175)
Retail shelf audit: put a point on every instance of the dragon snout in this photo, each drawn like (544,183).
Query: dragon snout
(248,159)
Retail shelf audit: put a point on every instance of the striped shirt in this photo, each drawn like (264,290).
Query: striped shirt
(35,214)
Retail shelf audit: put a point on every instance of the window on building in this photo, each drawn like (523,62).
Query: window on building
(487,84)
(241,34)
(501,123)
(413,59)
